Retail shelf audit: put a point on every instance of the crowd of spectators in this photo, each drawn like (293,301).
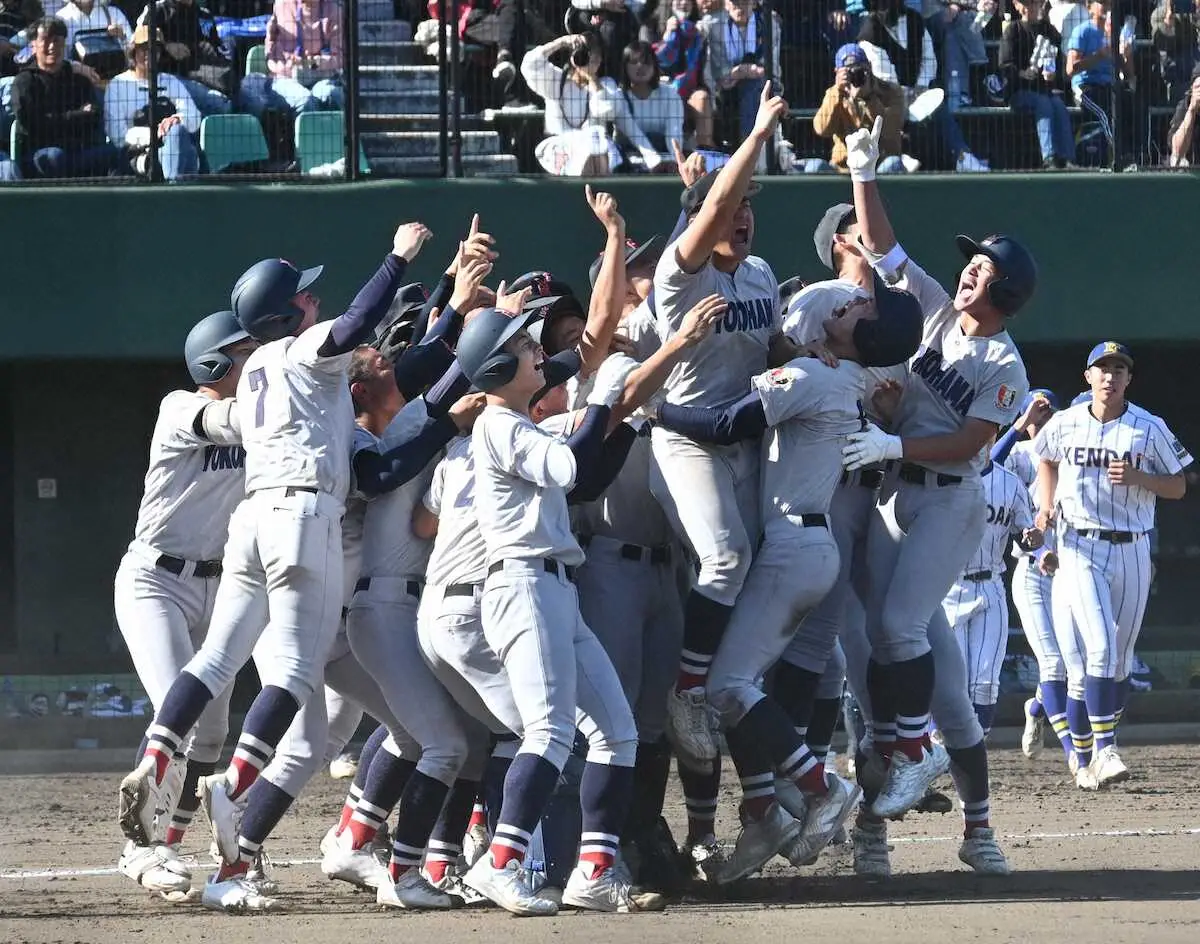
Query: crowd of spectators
(75,96)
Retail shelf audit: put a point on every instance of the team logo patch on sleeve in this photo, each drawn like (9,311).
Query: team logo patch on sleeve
(1006,396)
(780,377)
(1180,450)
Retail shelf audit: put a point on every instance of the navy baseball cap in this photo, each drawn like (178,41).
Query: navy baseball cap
(545,311)
(835,221)
(693,197)
(894,335)
(1110,349)
(540,283)
(634,251)
(851,54)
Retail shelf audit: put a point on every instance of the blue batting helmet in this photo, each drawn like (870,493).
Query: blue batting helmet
(202,349)
(480,350)
(1017,273)
(262,298)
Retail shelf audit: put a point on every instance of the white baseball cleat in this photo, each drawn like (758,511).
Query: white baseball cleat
(609,891)
(412,891)
(550,893)
(224,814)
(689,726)
(169,792)
(1032,740)
(452,884)
(907,781)
(139,802)
(328,840)
(343,767)
(1083,775)
(1108,768)
(475,843)
(235,896)
(982,853)
(358,867)
(157,868)
(758,842)
(826,814)
(871,849)
(259,875)
(791,798)
(506,887)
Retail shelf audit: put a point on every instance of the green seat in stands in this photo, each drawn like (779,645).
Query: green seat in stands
(256,60)
(227,140)
(320,140)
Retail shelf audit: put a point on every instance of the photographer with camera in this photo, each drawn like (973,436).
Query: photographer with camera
(856,98)
(126,109)
(737,65)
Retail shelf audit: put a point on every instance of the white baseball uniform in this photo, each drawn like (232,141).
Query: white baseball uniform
(976,606)
(1104,549)
(167,581)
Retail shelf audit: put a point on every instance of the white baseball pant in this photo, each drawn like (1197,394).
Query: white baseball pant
(977,612)
(1031,590)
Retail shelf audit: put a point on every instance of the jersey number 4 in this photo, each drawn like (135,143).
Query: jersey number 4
(258,384)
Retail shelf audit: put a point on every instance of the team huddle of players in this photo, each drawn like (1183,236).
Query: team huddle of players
(550,547)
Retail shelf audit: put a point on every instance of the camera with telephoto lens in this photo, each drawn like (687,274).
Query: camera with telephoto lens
(580,56)
(856,76)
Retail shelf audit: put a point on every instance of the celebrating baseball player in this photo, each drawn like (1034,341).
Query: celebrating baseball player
(1103,466)
(964,383)
(168,578)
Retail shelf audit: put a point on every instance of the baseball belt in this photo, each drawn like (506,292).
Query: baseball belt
(919,475)
(867,478)
(978,576)
(177,565)
(549,564)
(1112,537)
(412,587)
(461,589)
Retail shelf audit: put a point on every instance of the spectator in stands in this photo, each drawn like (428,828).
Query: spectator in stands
(737,65)
(81,15)
(900,51)
(8,170)
(126,102)
(15,17)
(1090,68)
(654,108)
(1173,26)
(854,101)
(194,53)
(615,20)
(579,108)
(1029,65)
(957,30)
(60,119)
(1185,142)
(682,52)
(304,56)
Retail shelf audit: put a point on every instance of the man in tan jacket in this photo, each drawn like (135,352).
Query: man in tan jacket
(852,102)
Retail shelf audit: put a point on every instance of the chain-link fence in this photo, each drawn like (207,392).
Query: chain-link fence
(291,89)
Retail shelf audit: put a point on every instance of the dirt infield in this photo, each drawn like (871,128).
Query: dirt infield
(1120,866)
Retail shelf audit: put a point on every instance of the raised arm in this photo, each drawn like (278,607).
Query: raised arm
(608,294)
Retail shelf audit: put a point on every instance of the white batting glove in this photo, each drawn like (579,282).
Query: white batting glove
(609,382)
(871,445)
(862,151)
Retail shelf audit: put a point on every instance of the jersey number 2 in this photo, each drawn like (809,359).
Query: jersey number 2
(258,384)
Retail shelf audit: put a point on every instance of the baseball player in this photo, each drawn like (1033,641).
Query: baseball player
(709,492)
(977,606)
(282,560)
(531,620)
(808,407)
(165,585)
(1104,465)
(965,382)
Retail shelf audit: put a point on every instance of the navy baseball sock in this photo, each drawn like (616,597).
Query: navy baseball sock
(769,726)
(701,790)
(366,757)
(560,829)
(494,776)
(1100,695)
(527,788)
(650,773)
(986,715)
(969,768)
(1037,708)
(445,842)
(189,800)
(181,709)
(704,622)
(754,770)
(1052,697)
(266,805)
(821,725)
(386,782)
(794,689)
(881,691)
(604,795)
(912,685)
(268,719)
(419,809)
(1082,740)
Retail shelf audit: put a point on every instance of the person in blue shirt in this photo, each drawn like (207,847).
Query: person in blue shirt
(1093,78)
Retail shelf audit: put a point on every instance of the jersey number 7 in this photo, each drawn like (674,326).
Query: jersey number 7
(258,384)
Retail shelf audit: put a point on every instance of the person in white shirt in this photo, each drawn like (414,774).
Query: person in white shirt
(81,15)
(655,108)
(125,103)
(579,108)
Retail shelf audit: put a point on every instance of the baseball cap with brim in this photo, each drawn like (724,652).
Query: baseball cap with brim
(694,196)
(789,288)
(308,276)
(850,54)
(835,221)
(634,251)
(1113,349)
(1039,393)
(549,309)
(894,335)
